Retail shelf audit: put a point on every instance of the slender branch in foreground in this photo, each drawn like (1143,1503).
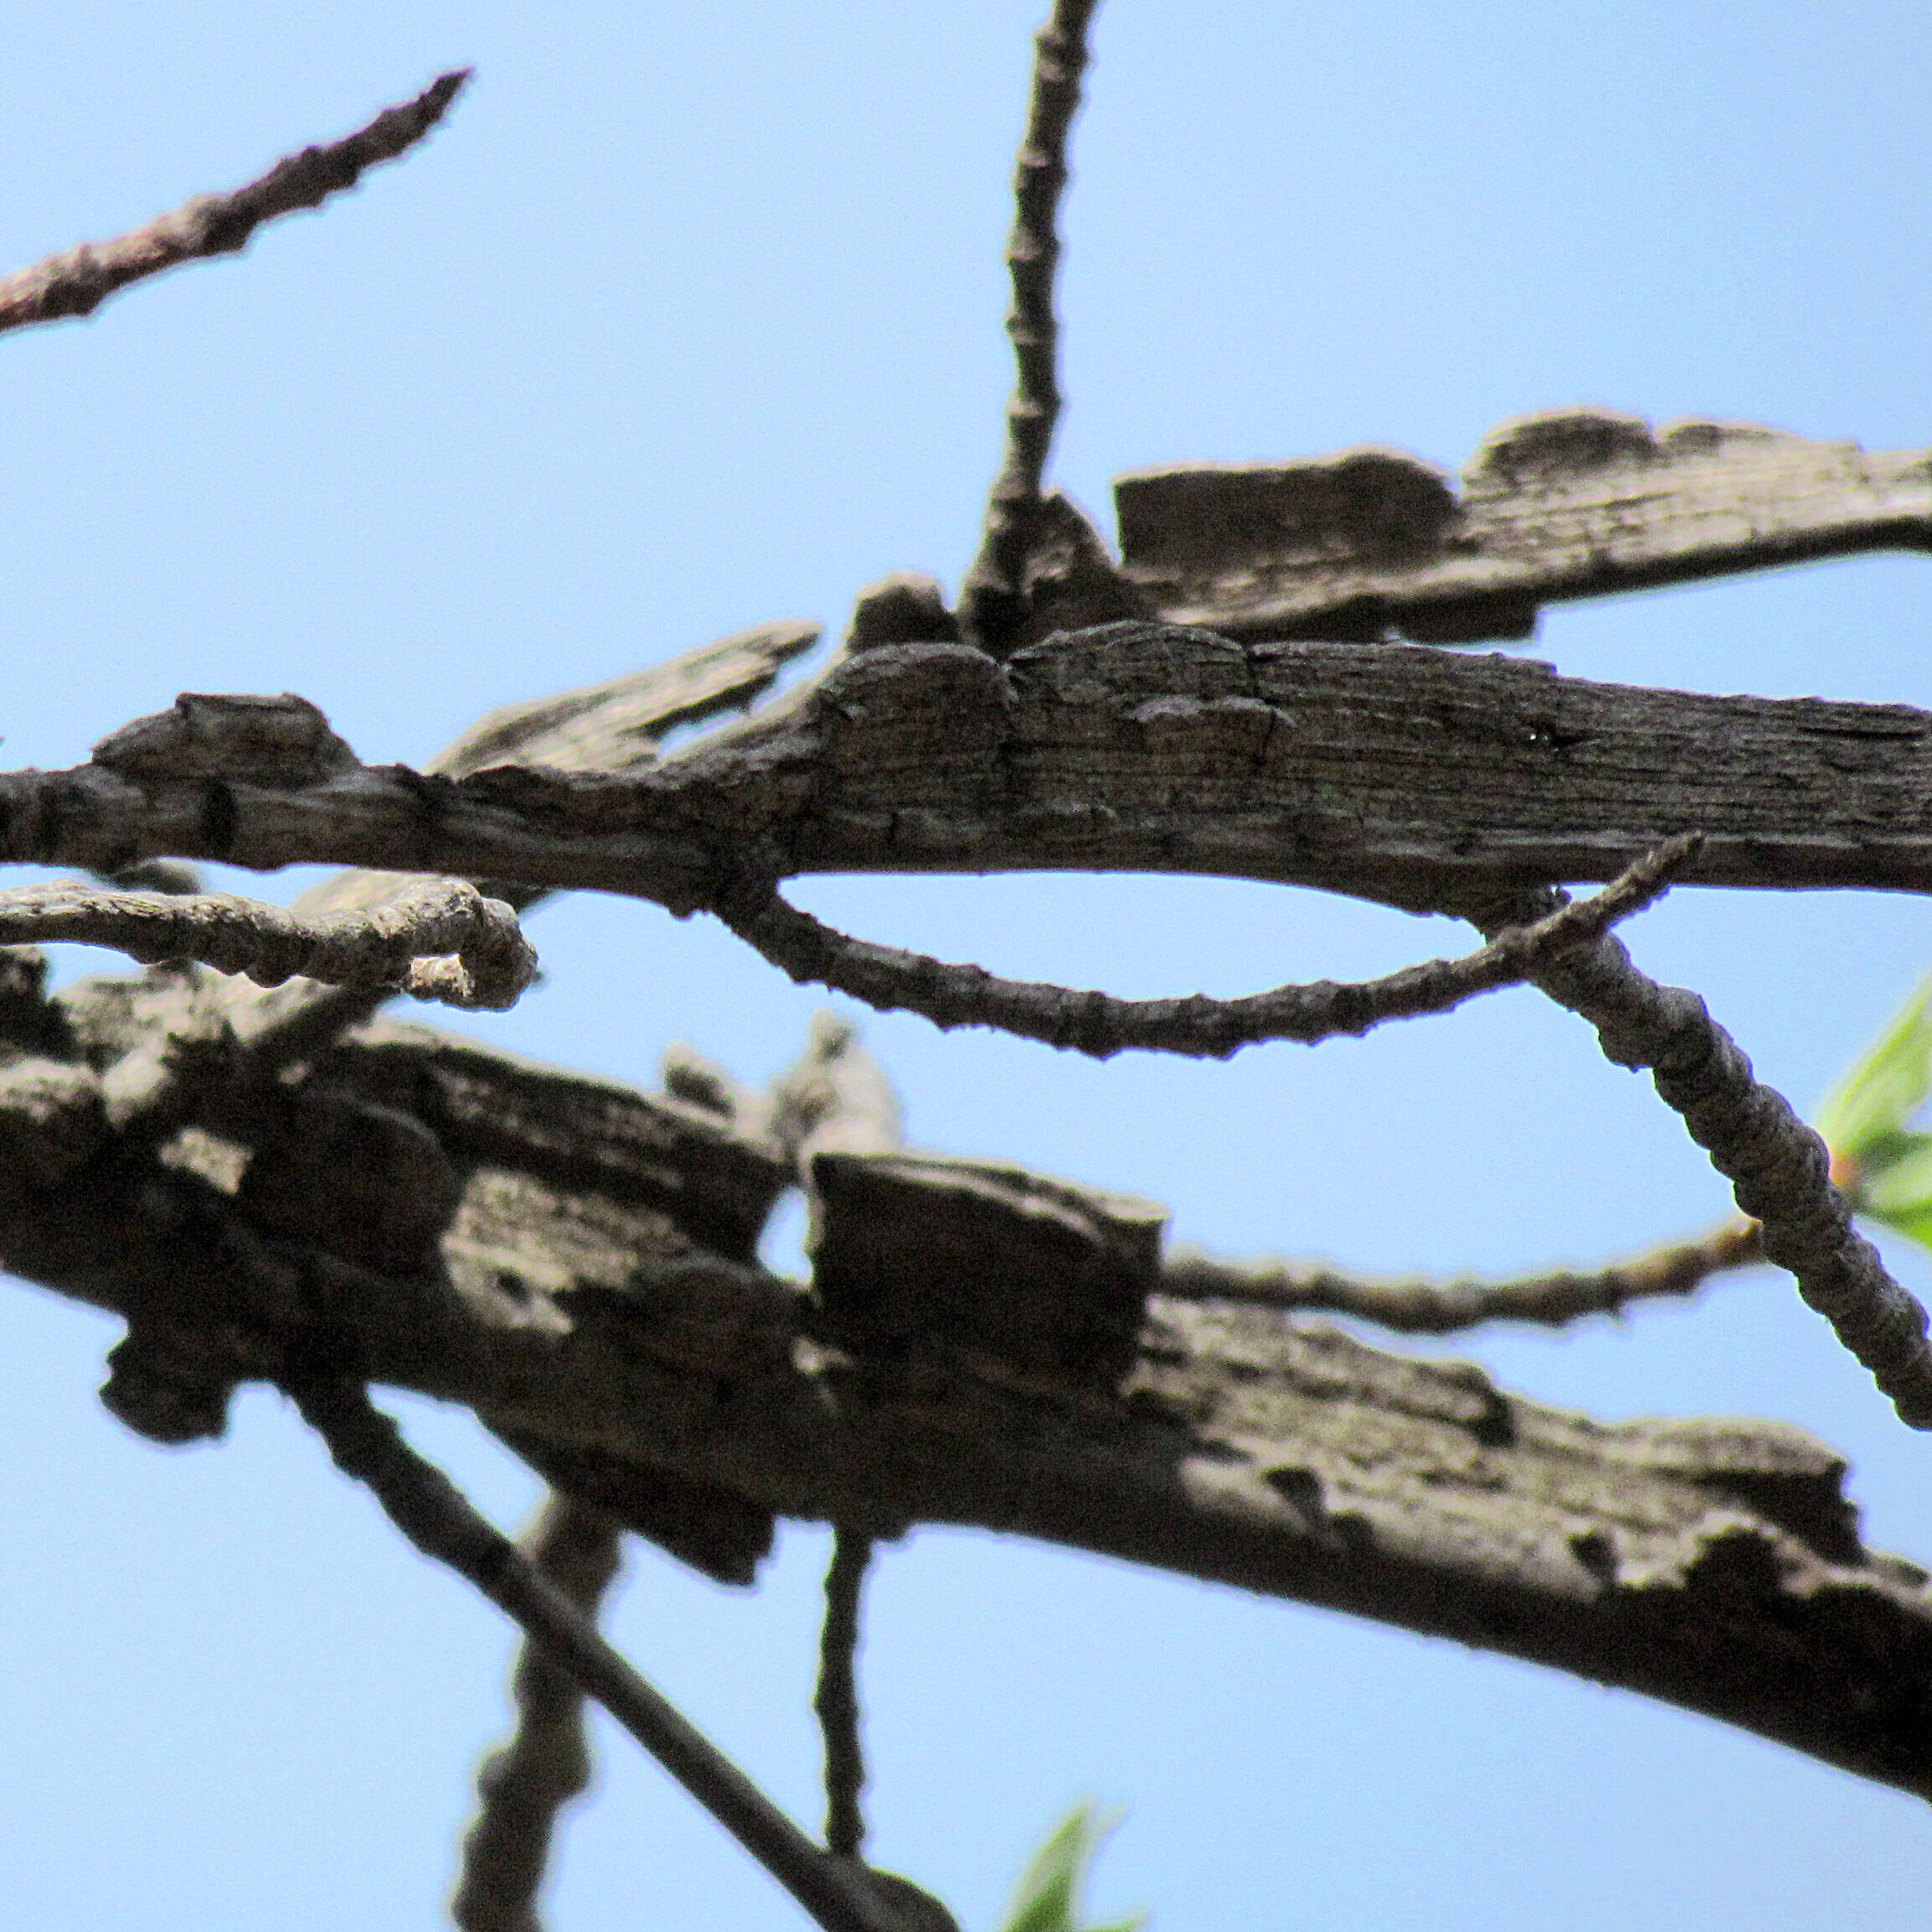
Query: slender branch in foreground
(1423,1307)
(1778,1168)
(995,593)
(441,940)
(547,1763)
(836,1698)
(1099,1024)
(78,282)
(429,1509)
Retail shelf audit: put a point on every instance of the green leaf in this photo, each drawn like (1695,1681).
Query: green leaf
(1873,1102)
(1895,1186)
(1049,1895)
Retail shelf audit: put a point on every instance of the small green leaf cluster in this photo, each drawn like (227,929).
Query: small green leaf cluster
(1883,1166)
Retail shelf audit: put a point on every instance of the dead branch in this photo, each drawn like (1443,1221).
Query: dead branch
(440,940)
(1413,776)
(78,282)
(427,1508)
(1100,1026)
(1424,1307)
(547,1763)
(994,596)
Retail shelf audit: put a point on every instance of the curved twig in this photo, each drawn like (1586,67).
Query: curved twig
(440,940)
(994,589)
(1423,1307)
(1099,1024)
(79,281)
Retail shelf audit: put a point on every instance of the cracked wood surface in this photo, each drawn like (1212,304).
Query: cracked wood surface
(579,1277)
(1413,776)
(1569,503)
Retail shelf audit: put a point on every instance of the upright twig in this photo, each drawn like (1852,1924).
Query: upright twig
(429,1509)
(836,1698)
(1778,1168)
(1423,1307)
(546,1762)
(1101,1025)
(78,282)
(994,594)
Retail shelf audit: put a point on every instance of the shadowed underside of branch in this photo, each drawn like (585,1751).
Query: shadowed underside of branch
(984,1346)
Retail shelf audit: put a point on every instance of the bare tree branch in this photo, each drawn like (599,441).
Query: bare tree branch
(1424,1307)
(441,940)
(427,1508)
(1099,1024)
(1571,503)
(1413,776)
(836,1698)
(995,592)
(547,1763)
(78,282)
(1778,1168)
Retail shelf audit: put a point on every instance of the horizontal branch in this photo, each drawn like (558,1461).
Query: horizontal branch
(1099,1024)
(443,940)
(1418,1307)
(1416,777)
(1570,503)
(78,282)
(986,1348)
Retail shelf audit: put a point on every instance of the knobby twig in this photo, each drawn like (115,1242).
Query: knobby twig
(1422,1307)
(994,591)
(78,282)
(440,940)
(1099,1024)
(836,1698)
(1778,1168)
(547,1763)
(429,1509)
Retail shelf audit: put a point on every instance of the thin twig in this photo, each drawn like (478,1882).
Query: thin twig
(836,1698)
(440,940)
(429,1509)
(77,282)
(995,592)
(547,1763)
(1778,1168)
(1423,1307)
(1099,1024)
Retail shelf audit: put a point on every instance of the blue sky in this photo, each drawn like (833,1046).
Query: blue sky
(689,318)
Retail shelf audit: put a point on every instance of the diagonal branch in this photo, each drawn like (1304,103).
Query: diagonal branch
(993,603)
(441,940)
(1778,1168)
(1424,1307)
(428,1508)
(1099,1024)
(547,1763)
(78,282)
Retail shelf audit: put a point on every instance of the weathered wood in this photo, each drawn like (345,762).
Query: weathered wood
(1420,777)
(1714,1565)
(1570,503)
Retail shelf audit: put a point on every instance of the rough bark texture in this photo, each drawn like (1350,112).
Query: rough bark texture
(1416,777)
(984,1346)
(1570,503)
